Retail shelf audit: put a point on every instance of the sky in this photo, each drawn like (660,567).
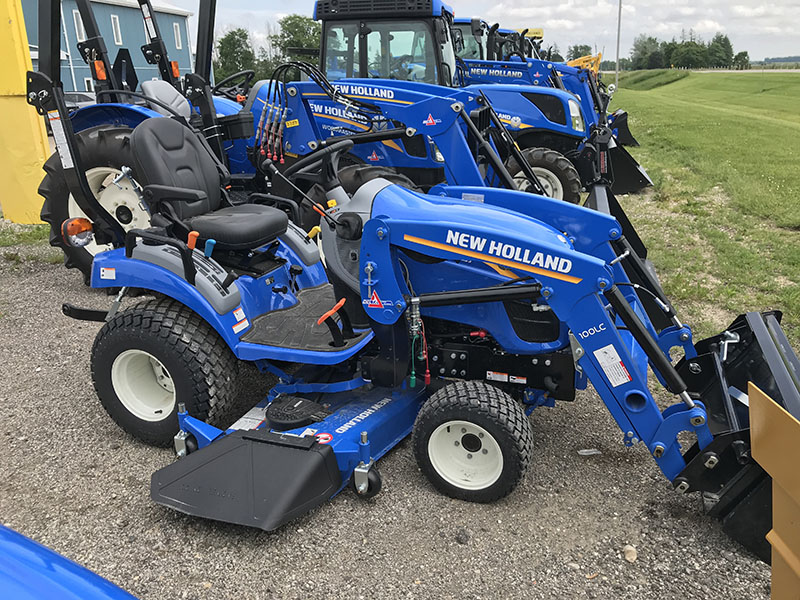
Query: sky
(764,29)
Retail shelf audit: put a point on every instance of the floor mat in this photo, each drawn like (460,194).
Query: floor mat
(296,327)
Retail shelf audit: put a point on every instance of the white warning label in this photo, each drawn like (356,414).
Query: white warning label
(472,197)
(252,419)
(612,365)
(60,139)
(495,376)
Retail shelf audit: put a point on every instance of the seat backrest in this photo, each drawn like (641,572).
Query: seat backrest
(166,93)
(168,153)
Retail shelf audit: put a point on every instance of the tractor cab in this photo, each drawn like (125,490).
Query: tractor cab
(476,36)
(365,40)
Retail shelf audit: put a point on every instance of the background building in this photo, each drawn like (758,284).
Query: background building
(122,26)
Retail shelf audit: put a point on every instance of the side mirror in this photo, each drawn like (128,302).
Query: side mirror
(458,39)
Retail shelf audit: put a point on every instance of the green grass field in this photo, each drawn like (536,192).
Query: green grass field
(723,221)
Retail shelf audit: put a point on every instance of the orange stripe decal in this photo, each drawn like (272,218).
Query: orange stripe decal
(492,259)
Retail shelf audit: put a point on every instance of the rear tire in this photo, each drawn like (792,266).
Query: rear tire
(554,171)
(472,441)
(103,150)
(155,355)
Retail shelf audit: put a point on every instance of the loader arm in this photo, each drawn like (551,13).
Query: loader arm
(313,117)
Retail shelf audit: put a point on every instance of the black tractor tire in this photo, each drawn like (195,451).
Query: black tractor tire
(557,165)
(353,177)
(98,147)
(456,439)
(201,368)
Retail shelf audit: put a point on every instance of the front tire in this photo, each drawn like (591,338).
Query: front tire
(472,441)
(155,355)
(555,172)
(104,151)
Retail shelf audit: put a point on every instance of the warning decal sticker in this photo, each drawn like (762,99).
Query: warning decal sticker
(495,376)
(612,365)
(241,326)
(60,139)
(254,417)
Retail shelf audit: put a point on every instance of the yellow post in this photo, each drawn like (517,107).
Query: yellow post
(23,139)
(773,436)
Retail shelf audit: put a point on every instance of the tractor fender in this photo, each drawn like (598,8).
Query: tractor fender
(159,269)
(113,115)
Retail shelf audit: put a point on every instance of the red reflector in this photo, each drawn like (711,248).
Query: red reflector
(176,72)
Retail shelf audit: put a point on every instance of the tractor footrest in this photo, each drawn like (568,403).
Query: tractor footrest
(254,478)
(296,327)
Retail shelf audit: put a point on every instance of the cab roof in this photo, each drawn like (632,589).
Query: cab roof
(333,10)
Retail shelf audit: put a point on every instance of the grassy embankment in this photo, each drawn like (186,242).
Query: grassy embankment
(723,220)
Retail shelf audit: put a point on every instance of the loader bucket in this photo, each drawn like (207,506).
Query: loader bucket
(618,122)
(753,350)
(773,430)
(629,176)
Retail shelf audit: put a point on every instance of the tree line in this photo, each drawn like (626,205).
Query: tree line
(690,52)
(233,51)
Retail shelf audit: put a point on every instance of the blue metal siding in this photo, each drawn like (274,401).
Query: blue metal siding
(133,37)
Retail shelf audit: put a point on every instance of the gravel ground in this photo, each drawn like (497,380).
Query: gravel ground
(69,478)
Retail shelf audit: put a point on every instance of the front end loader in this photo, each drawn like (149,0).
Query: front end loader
(419,44)
(494,55)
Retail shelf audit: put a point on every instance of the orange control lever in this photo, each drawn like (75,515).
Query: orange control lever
(330,313)
(192,240)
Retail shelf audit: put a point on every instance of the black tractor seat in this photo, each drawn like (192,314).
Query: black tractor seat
(183,181)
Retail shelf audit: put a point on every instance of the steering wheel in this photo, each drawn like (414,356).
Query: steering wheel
(233,92)
(398,64)
(327,156)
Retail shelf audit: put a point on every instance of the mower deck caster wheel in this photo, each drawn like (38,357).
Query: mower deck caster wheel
(374,484)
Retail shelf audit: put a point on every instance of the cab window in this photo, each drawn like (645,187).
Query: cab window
(401,50)
(472,50)
(341,51)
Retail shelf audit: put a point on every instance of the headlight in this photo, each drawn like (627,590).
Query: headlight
(576,115)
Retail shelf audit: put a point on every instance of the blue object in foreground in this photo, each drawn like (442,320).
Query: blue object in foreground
(31,571)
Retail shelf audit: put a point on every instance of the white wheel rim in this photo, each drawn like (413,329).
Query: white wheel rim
(143,385)
(465,455)
(116,200)
(550,183)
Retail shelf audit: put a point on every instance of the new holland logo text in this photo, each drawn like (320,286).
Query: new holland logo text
(495,72)
(509,251)
(335,111)
(363,415)
(364,90)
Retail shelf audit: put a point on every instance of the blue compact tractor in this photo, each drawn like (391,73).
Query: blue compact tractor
(448,316)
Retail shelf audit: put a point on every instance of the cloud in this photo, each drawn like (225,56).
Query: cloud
(763,29)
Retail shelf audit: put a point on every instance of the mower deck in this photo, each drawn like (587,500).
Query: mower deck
(254,476)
